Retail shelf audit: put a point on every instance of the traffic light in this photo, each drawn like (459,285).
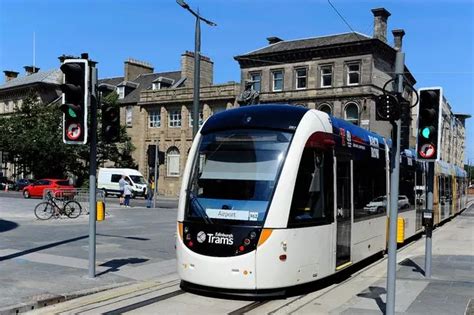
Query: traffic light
(429,121)
(75,100)
(387,108)
(151,155)
(111,123)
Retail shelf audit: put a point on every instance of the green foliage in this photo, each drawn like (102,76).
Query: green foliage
(32,136)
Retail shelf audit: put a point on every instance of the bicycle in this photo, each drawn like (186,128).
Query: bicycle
(45,210)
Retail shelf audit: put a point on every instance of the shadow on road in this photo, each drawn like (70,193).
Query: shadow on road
(116,264)
(127,237)
(375,293)
(7,225)
(410,263)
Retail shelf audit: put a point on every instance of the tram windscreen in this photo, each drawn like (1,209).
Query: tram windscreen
(234,175)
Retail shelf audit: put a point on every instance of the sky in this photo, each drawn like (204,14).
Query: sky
(439,40)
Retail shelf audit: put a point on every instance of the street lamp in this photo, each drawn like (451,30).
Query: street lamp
(197,62)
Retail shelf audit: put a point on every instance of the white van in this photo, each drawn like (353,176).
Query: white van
(108,181)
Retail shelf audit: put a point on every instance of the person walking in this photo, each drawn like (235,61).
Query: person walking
(150,189)
(122,182)
(127,193)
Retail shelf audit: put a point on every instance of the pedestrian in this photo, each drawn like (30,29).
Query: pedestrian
(122,183)
(150,190)
(127,193)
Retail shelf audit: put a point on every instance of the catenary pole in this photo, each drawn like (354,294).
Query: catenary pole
(394,182)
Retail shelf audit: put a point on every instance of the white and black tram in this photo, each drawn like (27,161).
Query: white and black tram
(274,196)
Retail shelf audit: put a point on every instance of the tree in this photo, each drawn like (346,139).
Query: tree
(32,136)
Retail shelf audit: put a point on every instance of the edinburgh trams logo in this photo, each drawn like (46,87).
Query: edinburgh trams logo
(215,238)
(201,237)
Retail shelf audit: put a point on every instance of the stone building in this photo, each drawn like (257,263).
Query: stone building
(46,86)
(157,109)
(340,74)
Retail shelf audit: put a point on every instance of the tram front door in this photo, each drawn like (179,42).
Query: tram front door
(344,217)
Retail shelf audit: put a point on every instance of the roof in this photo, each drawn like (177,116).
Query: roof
(145,82)
(306,43)
(48,77)
(111,81)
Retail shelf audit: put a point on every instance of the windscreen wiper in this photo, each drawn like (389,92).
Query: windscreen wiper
(197,205)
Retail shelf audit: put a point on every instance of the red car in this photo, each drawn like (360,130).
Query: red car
(37,188)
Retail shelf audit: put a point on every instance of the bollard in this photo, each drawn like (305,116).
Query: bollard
(100,211)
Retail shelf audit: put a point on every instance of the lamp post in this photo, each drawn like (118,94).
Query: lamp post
(197,62)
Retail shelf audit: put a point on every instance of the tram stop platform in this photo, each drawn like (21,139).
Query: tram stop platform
(450,290)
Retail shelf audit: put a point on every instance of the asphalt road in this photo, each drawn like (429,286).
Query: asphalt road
(51,257)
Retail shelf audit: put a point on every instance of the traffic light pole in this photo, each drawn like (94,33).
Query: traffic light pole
(394,182)
(92,174)
(155,190)
(429,228)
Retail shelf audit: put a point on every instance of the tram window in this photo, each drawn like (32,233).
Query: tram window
(369,180)
(407,188)
(312,202)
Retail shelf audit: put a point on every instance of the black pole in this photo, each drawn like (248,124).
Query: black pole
(197,74)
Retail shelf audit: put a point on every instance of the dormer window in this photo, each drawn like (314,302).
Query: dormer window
(121,92)
(156,86)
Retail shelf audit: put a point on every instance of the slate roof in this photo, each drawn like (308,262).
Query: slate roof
(313,42)
(111,81)
(145,82)
(48,77)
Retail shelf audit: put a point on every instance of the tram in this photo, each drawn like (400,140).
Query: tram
(275,196)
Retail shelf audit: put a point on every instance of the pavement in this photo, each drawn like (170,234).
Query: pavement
(153,288)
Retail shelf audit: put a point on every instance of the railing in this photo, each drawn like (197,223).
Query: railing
(81,195)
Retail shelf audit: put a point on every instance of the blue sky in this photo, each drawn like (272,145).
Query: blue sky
(439,40)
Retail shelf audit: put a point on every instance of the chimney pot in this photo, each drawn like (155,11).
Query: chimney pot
(273,40)
(10,75)
(31,69)
(380,23)
(398,38)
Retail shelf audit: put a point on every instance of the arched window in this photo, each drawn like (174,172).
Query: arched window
(351,113)
(325,108)
(172,162)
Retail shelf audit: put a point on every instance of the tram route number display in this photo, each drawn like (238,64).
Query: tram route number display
(73,131)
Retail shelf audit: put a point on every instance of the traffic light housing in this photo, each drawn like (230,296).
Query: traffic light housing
(110,123)
(75,100)
(387,108)
(151,151)
(429,124)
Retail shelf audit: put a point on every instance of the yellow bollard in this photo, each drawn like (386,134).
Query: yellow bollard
(400,230)
(100,211)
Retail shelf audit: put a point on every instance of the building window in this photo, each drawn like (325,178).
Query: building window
(154,119)
(256,79)
(325,108)
(277,81)
(174,118)
(121,91)
(191,118)
(156,86)
(172,162)
(128,115)
(301,78)
(351,113)
(353,73)
(326,76)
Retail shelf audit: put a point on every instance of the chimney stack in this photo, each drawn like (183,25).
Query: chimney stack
(10,75)
(398,38)
(187,69)
(380,23)
(133,68)
(30,70)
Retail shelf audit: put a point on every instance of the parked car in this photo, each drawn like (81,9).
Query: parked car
(403,202)
(37,188)
(378,205)
(22,183)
